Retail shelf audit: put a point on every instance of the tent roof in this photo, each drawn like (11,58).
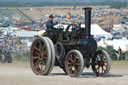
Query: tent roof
(26,33)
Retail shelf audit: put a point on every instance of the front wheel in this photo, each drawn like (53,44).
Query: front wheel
(74,63)
(101,63)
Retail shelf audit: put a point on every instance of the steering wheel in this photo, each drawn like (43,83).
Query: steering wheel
(60,27)
(74,26)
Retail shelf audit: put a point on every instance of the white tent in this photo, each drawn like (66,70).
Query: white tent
(96,30)
(117,27)
(116,43)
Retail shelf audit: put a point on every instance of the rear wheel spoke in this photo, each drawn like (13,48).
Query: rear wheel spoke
(40,62)
(35,57)
(37,49)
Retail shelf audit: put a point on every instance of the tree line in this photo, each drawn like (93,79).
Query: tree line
(41,4)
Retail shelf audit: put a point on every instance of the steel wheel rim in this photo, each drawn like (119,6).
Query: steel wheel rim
(74,63)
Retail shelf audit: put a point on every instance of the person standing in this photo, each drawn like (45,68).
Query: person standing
(68,16)
(119,51)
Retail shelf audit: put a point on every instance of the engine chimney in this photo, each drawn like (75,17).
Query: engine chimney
(87,22)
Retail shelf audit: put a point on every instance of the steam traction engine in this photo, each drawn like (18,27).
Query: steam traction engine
(71,50)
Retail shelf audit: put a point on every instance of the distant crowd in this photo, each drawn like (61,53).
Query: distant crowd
(12,44)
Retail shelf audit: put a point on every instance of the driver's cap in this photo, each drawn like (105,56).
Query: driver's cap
(51,16)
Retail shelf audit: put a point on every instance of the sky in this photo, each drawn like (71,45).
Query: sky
(48,0)
(58,0)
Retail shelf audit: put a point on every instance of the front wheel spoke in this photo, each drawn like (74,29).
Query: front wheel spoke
(77,64)
(77,68)
(78,61)
(75,57)
(70,68)
(70,59)
(68,63)
(75,71)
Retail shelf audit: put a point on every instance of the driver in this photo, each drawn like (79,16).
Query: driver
(51,31)
(50,24)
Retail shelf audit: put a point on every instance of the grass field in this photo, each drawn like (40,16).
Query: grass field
(36,13)
(12,14)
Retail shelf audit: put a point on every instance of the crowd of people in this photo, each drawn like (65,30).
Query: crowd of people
(12,44)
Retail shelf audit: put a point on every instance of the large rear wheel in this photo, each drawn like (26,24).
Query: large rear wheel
(40,56)
(52,54)
(74,63)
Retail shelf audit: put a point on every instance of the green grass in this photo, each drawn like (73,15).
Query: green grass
(10,12)
(120,61)
(24,59)
(20,57)
(17,12)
